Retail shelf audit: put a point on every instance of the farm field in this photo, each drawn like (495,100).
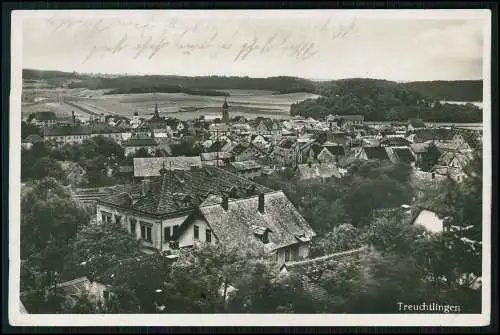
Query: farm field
(180,105)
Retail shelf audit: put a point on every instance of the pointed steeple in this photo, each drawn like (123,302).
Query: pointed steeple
(157,114)
(225,105)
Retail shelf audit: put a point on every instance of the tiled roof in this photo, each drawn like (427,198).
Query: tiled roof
(67,131)
(151,166)
(429,134)
(404,155)
(419,147)
(235,226)
(376,153)
(395,141)
(75,286)
(246,165)
(180,191)
(286,143)
(211,156)
(335,149)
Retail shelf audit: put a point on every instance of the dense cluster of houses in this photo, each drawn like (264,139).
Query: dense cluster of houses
(313,148)
(175,202)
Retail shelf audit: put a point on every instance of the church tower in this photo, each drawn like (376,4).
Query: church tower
(157,114)
(225,111)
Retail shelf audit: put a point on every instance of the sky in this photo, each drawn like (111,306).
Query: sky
(319,45)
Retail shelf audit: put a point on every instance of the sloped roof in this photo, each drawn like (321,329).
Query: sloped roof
(151,166)
(180,191)
(286,143)
(67,131)
(395,141)
(419,147)
(376,153)
(428,134)
(234,226)
(246,165)
(210,156)
(334,149)
(74,286)
(404,155)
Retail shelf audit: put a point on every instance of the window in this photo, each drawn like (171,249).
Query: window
(208,237)
(106,217)
(146,233)
(167,234)
(288,254)
(132,225)
(105,294)
(196,232)
(175,229)
(118,219)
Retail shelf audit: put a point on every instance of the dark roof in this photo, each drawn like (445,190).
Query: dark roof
(429,134)
(395,141)
(236,225)
(404,155)
(44,116)
(179,190)
(67,131)
(336,150)
(376,153)
(87,130)
(286,143)
(349,117)
(140,142)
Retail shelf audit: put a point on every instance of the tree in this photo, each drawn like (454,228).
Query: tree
(96,248)
(430,158)
(46,167)
(343,237)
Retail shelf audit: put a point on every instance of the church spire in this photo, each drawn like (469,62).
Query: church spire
(156,110)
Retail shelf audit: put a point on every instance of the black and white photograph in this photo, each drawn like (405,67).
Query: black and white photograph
(250,167)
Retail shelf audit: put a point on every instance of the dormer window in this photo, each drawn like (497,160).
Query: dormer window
(262,233)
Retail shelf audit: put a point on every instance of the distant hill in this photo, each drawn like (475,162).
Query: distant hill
(461,90)
(381,100)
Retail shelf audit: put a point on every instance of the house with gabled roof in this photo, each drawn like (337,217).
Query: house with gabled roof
(247,169)
(137,142)
(366,153)
(207,205)
(151,166)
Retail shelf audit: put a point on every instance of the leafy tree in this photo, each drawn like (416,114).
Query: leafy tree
(343,237)
(28,129)
(430,158)
(46,167)
(96,248)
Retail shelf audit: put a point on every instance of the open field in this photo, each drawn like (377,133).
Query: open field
(249,103)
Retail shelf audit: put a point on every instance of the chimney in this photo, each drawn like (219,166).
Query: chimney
(261,203)
(225,202)
(145,186)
